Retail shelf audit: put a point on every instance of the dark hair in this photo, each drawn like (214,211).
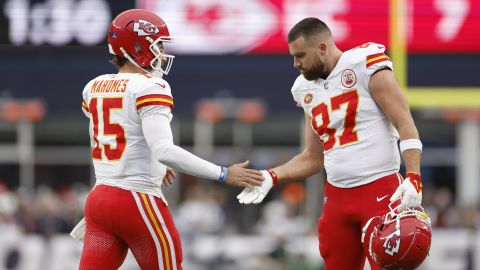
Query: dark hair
(118,61)
(307,28)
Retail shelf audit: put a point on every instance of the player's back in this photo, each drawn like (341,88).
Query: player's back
(120,153)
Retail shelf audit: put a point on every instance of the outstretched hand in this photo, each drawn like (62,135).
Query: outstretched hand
(257,194)
(239,175)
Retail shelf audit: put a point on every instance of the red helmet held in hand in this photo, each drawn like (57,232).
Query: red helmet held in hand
(138,35)
(398,240)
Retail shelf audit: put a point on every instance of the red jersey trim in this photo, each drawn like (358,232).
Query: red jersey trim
(376,58)
(155,99)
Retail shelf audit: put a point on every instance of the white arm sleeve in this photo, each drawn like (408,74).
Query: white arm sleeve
(157,132)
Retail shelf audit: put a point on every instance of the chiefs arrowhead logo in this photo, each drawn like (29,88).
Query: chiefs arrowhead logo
(218,26)
(392,243)
(145,28)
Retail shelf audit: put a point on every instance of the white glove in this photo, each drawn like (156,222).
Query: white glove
(257,194)
(410,194)
(79,231)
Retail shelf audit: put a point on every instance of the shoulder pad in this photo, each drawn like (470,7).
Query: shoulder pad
(372,55)
(365,51)
(158,82)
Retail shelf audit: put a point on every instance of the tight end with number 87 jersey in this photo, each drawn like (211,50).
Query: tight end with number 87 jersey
(345,115)
(355,112)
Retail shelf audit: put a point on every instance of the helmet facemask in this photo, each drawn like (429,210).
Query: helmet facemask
(394,215)
(161,62)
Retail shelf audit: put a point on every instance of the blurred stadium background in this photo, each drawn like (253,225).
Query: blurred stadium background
(231,83)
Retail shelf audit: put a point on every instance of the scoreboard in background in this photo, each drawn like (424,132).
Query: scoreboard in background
(247,26)
(404,26)
(258,28)
(58,22)
(261,26)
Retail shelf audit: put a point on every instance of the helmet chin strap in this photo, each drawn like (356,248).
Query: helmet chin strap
(154,73)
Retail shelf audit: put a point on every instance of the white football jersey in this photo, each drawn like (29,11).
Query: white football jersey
(360,142)
(121,156)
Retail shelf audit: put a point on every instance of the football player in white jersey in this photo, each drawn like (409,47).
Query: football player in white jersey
(355,112)
(131,140)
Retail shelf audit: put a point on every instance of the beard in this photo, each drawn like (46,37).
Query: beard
(315,72)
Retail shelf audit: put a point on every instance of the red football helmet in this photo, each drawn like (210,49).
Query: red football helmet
(398,240)
(138,35)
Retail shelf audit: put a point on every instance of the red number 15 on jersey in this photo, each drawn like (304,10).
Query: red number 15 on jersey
(109,128)
(321,112)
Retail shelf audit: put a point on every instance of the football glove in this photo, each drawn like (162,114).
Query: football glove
(409,192)
(257,194)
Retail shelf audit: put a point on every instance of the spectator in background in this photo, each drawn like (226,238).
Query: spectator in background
(280,217)
(200,212)
(8,204)
(131,139)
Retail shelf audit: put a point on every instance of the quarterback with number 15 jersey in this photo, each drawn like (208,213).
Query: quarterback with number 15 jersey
(129,124)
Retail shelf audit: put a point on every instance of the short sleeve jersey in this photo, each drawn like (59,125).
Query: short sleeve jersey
(115,105)
(360,143)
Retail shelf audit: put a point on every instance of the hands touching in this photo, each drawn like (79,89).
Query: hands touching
(239,175)
(235,175)
(409,192)
(257,194)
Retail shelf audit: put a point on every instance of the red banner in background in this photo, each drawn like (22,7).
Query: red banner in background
(261,26)
(352,22)
(444,26)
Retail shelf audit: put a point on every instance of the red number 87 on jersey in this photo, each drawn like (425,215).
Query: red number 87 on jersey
(321,119)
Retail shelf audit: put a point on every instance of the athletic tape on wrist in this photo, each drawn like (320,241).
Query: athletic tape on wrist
(274,176)
(223,175)
(410,144)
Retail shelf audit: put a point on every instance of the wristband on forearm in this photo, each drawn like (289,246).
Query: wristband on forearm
(416,180)
(410,144)
(223,175)
(274,176)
